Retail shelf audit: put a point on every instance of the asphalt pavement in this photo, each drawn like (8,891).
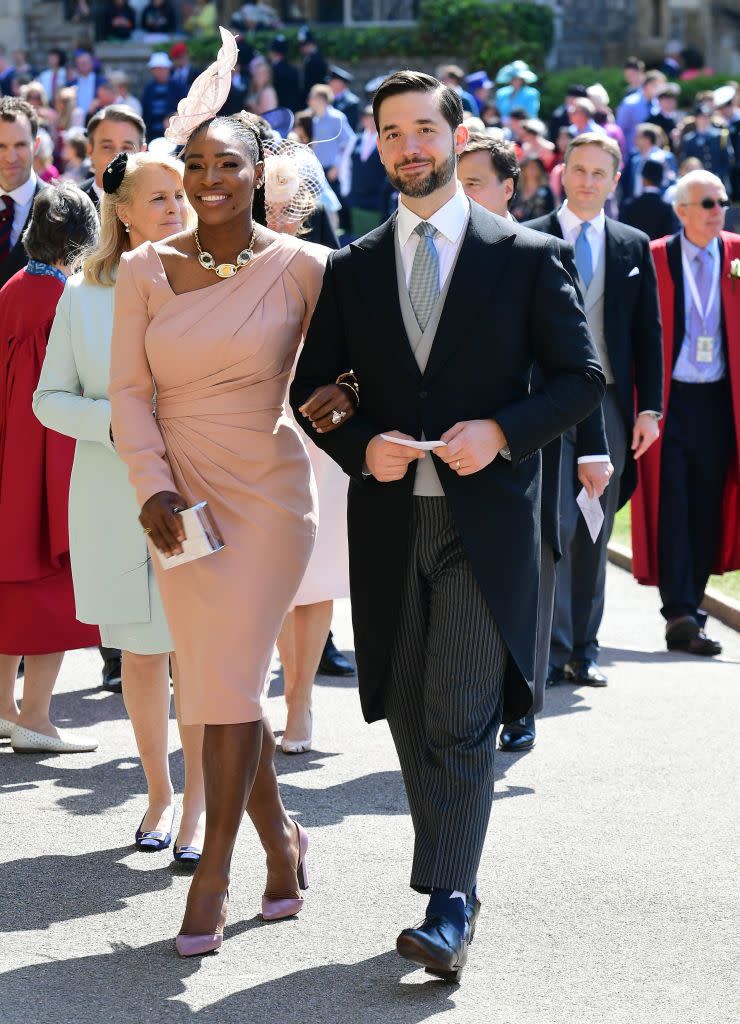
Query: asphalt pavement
(609,879)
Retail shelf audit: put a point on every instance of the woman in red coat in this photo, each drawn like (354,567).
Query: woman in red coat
(37,610)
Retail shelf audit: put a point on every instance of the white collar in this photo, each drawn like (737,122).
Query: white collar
(449,220)
(97,190)
(24,193)
(570,221)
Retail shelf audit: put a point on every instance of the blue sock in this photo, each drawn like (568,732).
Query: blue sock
(443,903)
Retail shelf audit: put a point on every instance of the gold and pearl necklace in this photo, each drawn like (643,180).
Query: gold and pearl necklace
(207,261)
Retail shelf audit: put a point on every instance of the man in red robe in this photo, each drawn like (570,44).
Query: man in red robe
(686,510)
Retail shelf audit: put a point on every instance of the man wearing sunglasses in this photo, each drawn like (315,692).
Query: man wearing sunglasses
(686,510)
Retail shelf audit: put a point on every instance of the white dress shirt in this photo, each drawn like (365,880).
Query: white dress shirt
(570,225)
(450,221)
(98,191)
(23,198)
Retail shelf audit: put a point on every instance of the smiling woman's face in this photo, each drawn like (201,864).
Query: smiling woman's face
(219,175)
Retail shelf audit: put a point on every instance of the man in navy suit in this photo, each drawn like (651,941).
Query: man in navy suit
(649,212)
(19,185)
(617,281)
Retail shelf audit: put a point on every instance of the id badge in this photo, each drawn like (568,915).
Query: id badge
(704,348)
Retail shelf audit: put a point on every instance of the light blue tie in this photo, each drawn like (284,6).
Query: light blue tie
(584,256)
(424,280)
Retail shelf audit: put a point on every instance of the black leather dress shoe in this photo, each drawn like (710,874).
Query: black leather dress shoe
(557,675)
(587,673)
(472,909)
(333,662)
(686,634)
(518,735)
(112,675)
(437,945)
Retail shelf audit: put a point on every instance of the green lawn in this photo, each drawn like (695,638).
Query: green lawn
(728,584)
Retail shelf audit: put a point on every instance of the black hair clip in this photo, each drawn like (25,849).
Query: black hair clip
(113,174)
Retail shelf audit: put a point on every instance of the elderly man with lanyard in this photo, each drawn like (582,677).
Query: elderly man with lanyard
(686,510)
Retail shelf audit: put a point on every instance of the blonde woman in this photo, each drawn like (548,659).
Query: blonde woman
(143,201)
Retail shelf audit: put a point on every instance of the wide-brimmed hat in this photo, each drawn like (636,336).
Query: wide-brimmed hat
(159,60)
(724,95)
(517,69)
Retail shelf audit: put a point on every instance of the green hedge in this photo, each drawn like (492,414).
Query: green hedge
(483,35)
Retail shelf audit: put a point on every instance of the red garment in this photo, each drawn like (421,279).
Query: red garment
(37,612)
(645,500)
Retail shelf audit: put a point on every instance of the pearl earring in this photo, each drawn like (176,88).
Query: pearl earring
(126,226)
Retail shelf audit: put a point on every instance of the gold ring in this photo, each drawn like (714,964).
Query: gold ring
(457,467)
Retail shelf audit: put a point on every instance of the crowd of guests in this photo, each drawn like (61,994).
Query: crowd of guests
(109,286)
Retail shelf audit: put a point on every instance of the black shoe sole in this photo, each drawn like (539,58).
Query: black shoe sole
(516,750)
(410,949)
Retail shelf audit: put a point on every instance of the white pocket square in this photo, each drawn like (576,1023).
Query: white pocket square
(634,272)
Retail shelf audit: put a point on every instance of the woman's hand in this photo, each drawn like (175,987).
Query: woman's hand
(323,402)
(161,523)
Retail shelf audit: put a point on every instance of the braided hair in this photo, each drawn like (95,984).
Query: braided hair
(241,127)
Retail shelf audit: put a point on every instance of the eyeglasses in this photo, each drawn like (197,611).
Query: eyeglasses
(709,204)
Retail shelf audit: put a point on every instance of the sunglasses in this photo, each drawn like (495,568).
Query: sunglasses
(709,204)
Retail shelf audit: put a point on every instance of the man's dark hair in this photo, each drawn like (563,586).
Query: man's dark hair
(63,224)
(503,156)
(576,90)
(652,172)
(11,108)
(635,63)
(650,131)
(519,114)
(116,112)
(416,81)
(61,54)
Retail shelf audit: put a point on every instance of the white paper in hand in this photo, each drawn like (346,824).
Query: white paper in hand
(592,512)
(422,446)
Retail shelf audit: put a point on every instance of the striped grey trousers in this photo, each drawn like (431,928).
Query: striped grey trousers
(444,701)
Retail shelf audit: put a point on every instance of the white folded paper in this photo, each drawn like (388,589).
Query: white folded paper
(592,512)
(202,536)
(422,446)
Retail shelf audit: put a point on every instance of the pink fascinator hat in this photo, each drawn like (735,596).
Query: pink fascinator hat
(207,94)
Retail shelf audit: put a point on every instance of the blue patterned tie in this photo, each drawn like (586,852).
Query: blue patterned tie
(584,256)
(424,280)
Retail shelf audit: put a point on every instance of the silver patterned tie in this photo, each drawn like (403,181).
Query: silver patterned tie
(424,280)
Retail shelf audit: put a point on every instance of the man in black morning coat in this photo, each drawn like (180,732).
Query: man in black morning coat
(441,313)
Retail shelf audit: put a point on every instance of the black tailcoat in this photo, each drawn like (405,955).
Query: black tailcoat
(631,326)
(510,303)
(18,257)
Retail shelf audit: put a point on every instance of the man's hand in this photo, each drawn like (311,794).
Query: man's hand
(387,461)
(332,174)
(162,523)
(644,433)
(594,476)
(323,402)
(471,445)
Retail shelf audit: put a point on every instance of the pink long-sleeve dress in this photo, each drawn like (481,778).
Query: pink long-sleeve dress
(219,359)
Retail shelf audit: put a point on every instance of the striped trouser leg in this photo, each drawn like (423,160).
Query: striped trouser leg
(443,702)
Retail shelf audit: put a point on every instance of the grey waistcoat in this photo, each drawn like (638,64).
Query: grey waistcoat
(426,484)
(593,303)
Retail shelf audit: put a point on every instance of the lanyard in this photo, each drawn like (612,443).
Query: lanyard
(689,275)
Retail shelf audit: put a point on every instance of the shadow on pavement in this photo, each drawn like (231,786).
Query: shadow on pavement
(41,891)
(614,655)
(142,985)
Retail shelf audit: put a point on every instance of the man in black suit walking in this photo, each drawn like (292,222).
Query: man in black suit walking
(113,130)
(649,212)
(617,281)
(441,313)
(19,185)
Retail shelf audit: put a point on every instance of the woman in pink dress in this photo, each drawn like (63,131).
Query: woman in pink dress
(212,319)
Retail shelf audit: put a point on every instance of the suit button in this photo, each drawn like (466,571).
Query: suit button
(423,394)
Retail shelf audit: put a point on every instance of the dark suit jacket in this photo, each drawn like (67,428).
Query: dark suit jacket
(650,213)
(510,303)
(18,257)
(287,83)
(87,187)
(631,326)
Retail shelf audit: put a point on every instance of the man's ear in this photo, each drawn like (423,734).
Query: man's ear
(461,138)
(36,144)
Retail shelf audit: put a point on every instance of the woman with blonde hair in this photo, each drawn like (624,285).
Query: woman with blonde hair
(143,201)
(262,96)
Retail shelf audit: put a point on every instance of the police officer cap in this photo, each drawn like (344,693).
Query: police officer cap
(336,72)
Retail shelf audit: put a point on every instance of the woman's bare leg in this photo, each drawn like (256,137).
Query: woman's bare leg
(146,694)
(193,819)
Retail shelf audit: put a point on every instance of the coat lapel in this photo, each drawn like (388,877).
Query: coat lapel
(618,263)
(483,256)
(673,254)
(376,281)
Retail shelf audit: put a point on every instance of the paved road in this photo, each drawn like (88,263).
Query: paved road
(609,878)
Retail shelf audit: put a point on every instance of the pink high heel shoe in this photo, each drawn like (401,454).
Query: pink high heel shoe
(275,910)
(197,945)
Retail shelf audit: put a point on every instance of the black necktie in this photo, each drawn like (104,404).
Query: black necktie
(6,226)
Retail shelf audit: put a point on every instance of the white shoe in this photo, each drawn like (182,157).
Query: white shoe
(26,741)
(295,746)
(6,728)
